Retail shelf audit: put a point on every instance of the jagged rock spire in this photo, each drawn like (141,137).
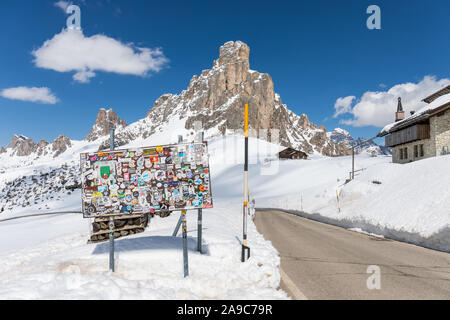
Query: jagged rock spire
(105,121)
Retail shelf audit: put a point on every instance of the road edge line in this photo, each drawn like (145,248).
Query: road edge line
(295,291)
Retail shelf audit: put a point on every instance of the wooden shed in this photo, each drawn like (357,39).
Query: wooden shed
(290,153)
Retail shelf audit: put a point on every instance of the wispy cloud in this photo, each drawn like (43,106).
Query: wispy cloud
(33,94)
(71,50)
(62,5)
(377,108)
(343,105)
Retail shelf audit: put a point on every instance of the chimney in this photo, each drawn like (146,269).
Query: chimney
(400,114)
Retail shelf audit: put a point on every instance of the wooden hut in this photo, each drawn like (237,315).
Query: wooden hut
(290,153)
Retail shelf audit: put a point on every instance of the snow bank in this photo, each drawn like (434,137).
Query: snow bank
(411,204)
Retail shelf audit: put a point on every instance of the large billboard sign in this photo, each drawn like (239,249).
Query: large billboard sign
(150,179)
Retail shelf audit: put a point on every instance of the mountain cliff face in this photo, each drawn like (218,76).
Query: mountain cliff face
(216,97)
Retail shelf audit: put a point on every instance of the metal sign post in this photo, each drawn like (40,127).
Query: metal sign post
(245,249)
(111,218)
(175,232)
(199,231)
(185,249)
(111,243)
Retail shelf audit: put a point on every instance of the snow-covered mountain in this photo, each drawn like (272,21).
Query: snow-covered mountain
(215,99)
(212,102)
(339,135)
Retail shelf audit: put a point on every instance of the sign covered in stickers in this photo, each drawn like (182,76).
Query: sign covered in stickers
(151,179)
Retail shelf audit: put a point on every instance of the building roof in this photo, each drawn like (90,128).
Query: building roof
(438,104)
(290,151)
(437,94)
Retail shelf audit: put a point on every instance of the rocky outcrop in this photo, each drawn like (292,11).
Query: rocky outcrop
(21,145)
(60,145)
(105,121)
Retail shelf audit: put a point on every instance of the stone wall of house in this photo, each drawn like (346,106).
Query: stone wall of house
(429,150)
(440,126)
(438,144)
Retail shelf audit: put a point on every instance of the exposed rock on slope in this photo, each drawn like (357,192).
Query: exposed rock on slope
(23,146)
(106,120)
(60,145)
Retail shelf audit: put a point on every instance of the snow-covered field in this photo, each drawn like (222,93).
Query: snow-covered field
(48,257)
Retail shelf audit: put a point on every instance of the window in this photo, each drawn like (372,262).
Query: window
(421,150)
(401,153)
(406,153)
(416,151)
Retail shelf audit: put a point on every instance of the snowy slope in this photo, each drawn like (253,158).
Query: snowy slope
(48,258)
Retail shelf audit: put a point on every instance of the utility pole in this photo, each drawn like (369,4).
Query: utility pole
(352,174)
(353,163)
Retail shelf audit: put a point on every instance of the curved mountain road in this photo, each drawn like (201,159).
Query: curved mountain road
(321,261)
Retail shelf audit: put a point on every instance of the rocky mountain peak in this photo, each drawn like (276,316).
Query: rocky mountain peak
(233,52)
(60,145)
(21,145)
(16,140)
(105,121)
(216,99)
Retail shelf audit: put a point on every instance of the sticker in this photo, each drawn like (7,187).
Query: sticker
(154,159)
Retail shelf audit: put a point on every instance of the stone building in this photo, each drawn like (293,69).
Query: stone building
(424,134)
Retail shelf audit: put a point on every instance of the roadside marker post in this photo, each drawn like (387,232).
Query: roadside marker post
(245,249)
(337,199)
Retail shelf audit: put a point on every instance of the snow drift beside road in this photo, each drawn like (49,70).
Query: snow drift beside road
(411,204)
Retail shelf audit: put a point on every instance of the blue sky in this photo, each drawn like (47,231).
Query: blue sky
(315,51)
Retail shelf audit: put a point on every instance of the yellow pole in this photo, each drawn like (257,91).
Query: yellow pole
(246,191)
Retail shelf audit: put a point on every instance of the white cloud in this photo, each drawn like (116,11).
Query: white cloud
(41,95)
(70,50)
(377,108)
(343,105)
(62,5)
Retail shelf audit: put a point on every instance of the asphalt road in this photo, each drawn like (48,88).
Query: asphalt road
(321,261)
